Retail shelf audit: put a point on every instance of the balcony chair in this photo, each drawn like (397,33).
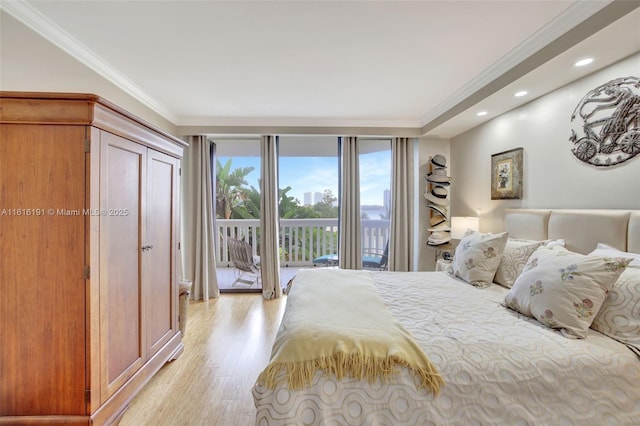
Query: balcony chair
(376,260)
(242,258)
(370,260)
(326,260)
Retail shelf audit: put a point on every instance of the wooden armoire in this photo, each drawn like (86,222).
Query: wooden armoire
(88,244)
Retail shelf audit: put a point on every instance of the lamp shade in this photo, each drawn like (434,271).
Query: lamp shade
(459,225)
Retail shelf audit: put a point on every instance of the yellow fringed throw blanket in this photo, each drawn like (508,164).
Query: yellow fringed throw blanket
(336,322)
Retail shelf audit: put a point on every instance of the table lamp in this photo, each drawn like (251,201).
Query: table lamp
(459,225)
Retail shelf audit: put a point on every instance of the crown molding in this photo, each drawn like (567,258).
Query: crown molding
(34,19)
(299,130)
(296,122)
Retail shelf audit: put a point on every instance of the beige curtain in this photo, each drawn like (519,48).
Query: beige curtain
(350,242)
(269,219)
(402,229)
(197,213)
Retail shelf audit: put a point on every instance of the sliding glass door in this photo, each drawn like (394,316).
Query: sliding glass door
(237,174)
(308,182)
(375,200)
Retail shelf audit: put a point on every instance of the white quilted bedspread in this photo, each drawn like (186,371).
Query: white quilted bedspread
(500,368)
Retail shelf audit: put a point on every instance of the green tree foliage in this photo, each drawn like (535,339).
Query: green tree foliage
(326,207)
(250,206)
(230,190)
(234,200)
(287,205)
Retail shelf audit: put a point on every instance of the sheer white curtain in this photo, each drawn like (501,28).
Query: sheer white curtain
(402,229)
(197,213)
(350,243)
(269,219)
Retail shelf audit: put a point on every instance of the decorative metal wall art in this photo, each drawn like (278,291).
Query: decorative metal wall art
(605,126)
(506,175)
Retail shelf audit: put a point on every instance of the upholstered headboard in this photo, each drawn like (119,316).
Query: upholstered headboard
(581,229)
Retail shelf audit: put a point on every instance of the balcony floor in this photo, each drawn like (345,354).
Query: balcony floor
(227,279)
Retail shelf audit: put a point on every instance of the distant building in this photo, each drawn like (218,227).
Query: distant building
(387,200)
(311,198)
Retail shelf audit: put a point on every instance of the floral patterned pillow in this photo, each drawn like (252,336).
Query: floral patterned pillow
(564,290)
(619,317)
(477,257)
(515,256)
(605,250)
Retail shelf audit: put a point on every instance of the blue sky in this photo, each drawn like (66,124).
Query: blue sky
(315,174)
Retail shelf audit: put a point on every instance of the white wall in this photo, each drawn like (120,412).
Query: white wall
(30,63)
(553,177)
(427,148)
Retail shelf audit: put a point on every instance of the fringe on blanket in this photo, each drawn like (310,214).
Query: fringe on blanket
(300,374)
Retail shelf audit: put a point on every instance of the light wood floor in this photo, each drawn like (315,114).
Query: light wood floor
(227,344)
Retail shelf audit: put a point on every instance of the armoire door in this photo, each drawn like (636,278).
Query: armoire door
(122,189)
(158,253)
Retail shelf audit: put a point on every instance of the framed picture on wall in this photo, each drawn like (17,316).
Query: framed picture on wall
(506,175)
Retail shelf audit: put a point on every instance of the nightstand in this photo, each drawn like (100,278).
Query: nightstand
(443,248)
(443,265)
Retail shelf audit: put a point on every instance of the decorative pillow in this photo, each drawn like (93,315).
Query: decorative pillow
(560,242)
(514,257)
(564,290)
(605,250)
(477,257)
(619,316)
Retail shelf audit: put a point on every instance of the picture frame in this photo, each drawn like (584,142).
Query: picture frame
(506,175)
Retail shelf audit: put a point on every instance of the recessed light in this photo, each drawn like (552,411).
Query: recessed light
(481,113)
(520,93)
(583,62)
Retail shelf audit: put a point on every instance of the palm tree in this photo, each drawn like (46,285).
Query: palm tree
(249,207)
(230,191)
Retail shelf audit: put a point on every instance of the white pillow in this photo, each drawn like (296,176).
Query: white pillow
(477,257)
(605,250)
(619,316)
(560,242)
(564,290)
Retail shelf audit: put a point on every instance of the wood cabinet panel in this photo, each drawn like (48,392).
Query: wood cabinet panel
(42,317)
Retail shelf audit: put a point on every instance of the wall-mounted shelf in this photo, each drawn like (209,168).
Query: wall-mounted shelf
(437,197)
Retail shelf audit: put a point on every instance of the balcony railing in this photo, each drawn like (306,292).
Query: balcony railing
(301,240)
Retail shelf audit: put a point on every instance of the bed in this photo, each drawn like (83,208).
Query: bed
(498,365)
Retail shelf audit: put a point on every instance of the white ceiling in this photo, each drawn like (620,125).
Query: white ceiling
(393,64)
